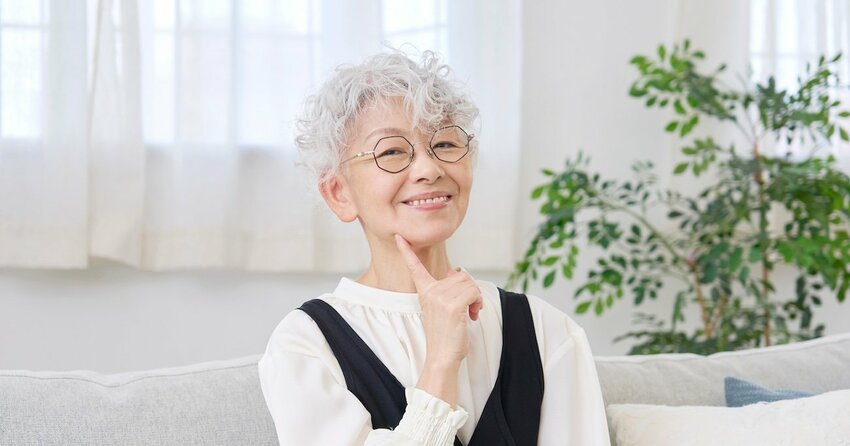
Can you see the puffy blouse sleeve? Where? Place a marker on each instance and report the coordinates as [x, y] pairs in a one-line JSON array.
[[306, 394], [573, 411]]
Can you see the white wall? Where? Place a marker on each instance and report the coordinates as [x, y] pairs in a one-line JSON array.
[[111, 318]]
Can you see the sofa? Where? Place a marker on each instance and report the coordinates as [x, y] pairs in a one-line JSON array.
[[220, 402]]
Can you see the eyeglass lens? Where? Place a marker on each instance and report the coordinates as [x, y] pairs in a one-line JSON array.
[[394, 153]]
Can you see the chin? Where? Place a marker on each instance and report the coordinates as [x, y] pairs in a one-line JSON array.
[[420, 238]]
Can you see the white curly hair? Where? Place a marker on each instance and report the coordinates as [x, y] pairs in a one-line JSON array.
[[428, 92]]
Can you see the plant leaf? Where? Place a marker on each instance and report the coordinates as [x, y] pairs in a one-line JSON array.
[[549, 279]]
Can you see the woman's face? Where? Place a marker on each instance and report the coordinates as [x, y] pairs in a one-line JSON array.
[[389, 203]]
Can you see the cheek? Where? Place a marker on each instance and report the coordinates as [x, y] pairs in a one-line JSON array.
[[464, 179], [376, 195], [464, 182]]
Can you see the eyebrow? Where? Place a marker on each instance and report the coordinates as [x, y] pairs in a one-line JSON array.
[[392, 131]]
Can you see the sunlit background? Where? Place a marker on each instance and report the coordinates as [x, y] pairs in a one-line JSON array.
[[151, 210]]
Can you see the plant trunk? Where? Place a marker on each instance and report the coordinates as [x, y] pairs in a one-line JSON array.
[[763, 239], [702, 305]]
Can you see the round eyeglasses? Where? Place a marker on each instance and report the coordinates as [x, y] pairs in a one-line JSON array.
[[394, 153]]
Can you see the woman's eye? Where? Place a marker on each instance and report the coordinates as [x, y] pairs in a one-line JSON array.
[[391, 152], [445, 145]]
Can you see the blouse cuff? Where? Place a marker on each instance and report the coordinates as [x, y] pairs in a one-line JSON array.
[[429, 419]]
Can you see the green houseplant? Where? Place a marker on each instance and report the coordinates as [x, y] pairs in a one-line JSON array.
[[717, 251]]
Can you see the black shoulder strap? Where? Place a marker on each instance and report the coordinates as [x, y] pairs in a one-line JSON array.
[[365, 375], [512, 413], [521, 369]]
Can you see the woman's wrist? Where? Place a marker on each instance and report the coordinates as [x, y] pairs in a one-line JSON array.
[[440, 380]]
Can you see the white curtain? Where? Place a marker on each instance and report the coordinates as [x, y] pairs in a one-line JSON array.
[[785, 35], [178, 153], [43, 135]]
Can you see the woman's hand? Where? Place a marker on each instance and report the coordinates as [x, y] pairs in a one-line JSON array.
[[447, 306]]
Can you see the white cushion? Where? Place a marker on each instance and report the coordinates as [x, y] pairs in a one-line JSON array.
[[818, 420]]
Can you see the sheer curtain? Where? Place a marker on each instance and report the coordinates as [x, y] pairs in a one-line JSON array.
[[179, 152], [787, 34], [43, 134]]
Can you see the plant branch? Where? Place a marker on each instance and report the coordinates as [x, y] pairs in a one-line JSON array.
[[718, 311], [763, 228], [700, 299], [646, 224]]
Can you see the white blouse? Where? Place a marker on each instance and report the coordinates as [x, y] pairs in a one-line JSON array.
[[305, 390]]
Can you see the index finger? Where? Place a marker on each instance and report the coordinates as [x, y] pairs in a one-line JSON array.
[[421, 276]]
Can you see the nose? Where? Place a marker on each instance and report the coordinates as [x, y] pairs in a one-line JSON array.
[[425, 167]]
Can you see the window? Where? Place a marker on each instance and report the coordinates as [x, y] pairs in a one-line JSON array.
[[218, 73], [23, 39], [785, 35], [421, 23]]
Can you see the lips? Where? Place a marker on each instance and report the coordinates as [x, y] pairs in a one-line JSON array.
[[428, 198]]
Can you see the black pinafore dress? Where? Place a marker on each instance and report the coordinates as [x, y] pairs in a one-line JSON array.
[[511, 416]]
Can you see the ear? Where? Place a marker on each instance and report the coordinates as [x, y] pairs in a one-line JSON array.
[[335, 191]]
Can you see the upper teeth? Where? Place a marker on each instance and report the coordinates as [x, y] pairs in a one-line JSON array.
[[428, 201]]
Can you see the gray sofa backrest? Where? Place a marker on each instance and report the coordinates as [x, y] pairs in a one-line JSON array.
[[817, 366], [220, 402], [212, 403]]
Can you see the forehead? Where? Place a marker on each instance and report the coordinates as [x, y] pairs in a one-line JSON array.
[[382, 113]]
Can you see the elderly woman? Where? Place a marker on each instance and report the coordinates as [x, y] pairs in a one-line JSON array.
[[416, 351]]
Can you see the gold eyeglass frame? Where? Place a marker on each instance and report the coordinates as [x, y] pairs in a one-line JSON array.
[[469, 137]]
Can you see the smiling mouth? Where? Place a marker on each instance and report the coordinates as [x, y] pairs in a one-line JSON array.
[[428, 201]]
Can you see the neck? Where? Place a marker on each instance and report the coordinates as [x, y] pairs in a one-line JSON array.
[[388, 270]]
